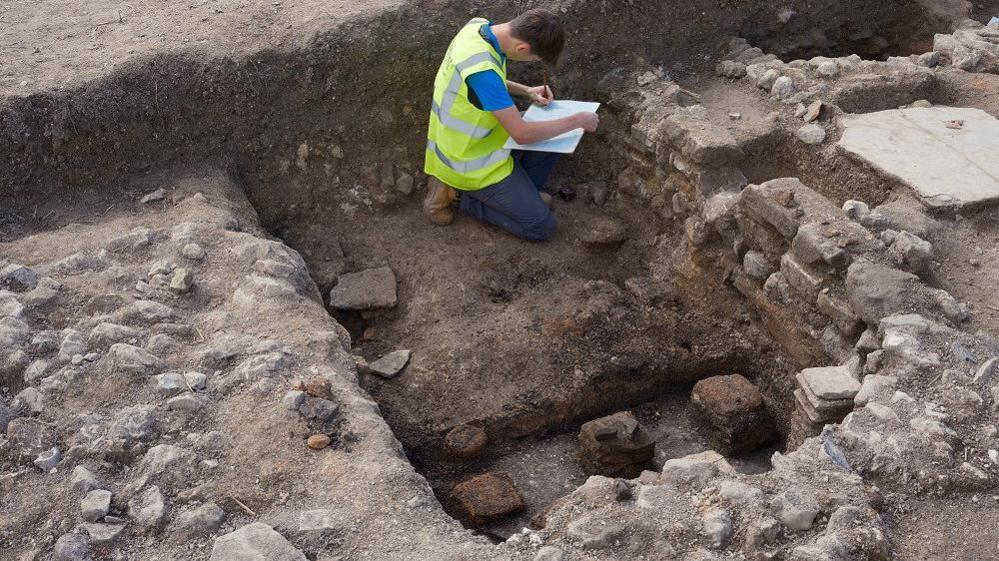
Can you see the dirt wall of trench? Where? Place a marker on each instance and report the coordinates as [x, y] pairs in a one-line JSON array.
[[347, 113]]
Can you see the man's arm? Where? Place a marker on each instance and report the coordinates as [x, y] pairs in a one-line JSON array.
[[523, 132], [542, 95], [517, 89]]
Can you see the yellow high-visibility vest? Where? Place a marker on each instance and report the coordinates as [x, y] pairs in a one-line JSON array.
[[464, 143]]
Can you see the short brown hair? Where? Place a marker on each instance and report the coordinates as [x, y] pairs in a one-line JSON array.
[[543, 31]]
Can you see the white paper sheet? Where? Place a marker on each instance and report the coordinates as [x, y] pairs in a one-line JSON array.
[[564, 143]]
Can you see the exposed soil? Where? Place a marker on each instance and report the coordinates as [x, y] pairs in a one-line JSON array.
[[525, 340]]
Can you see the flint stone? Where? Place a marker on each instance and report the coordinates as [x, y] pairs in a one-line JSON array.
[[72, 344], [717, 523], [83, 480], [487, 497], [686, 472], [196, 380], [370, 289], [71, 547], [550, 553], [200, 521], [318, 409], [146, 311], [255, 542], [293, 399], [731, 69], [184, 402], [135, 239], [813, 111], [930, 59], [796, 509], [171, 382], [148, 508], [28, 401], [594, 533], [110, 333], [738, 493], [783, 87], [812, 134], [767, 80], [48, 459], [132, 359], [18, 278], [856, 210], [756, 265], [95, 505], [912, 252], [182, 281], [103, 534], [390, 365], [193, 251], [733, 407], [162, 457], [157, 195], [828, 69]]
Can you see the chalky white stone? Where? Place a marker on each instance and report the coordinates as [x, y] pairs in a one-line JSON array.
[[945, 154]]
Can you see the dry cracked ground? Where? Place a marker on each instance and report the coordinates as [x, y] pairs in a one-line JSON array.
[[766, 328]]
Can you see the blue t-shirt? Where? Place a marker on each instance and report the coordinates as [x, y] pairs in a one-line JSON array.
[[487, 90]]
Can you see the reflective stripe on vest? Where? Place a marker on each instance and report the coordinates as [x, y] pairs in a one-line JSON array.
[[471, 165], [443, 111]]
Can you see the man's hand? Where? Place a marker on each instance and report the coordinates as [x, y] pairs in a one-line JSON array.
[[542, 95], [587, 121]]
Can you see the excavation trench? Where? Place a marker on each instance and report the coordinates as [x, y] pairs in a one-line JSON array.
[[526, 342]]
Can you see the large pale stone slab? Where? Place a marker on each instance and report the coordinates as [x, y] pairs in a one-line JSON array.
[[946, 154]]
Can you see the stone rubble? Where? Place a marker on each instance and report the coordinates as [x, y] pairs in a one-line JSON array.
[[487, 497], [616, 444], [390, 365], [370, 289], [733, 408]]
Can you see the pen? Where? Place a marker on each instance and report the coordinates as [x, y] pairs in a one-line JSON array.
[[548, 90]]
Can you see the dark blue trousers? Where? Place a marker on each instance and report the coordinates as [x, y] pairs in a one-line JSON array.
[[515, 204]]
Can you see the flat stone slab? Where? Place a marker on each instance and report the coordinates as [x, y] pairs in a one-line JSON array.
[[370, 289], [829, 382], [946, 154], [390, 365], [255, 542]]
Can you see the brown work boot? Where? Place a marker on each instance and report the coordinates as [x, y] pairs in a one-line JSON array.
[[547, 199], [437, 205]]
